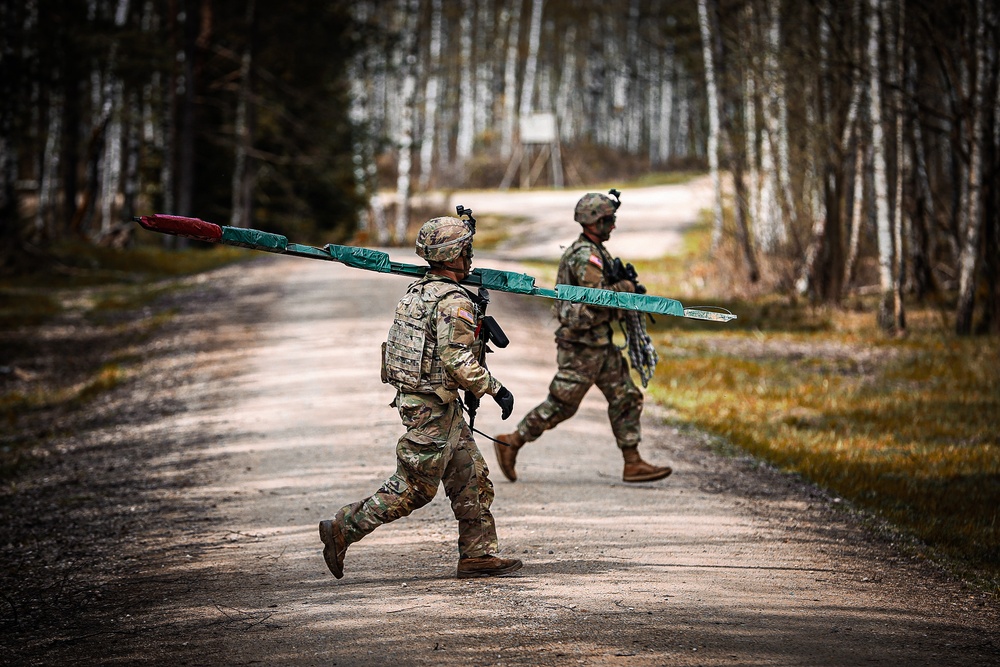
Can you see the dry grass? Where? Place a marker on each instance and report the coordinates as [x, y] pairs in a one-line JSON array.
[[906, 428], [67, 329]]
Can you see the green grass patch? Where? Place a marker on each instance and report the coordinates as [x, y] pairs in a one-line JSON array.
[[909, 432]]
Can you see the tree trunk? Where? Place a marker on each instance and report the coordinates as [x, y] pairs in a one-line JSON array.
[[186, 136], [242, 190], [485, 32], [974, 219], [750, 132], [664, 136], [713, 120], [531, 63], [510, 82], [431, 98], [130, 180], [405, 137], [567, 86], [898, 222], [857, 217], [49, 175], [779, 123], [925, 220], [10, 80], [466, 94], [633, 104], [886, 316]]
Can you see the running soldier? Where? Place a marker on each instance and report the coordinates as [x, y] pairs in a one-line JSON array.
[[586, 354], [432, 351]]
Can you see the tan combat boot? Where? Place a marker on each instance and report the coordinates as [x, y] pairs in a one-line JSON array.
[[507, 453], [487, 566], [334, 543], [637, 470]]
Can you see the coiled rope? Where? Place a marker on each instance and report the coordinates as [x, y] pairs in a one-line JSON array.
[[641, 352]]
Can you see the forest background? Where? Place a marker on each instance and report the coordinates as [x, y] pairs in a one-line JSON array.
[[854, 149]]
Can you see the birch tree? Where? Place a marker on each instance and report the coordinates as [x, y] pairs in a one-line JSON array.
[[431, 97], [531, 62], [899, 233], [410, 10], [973, 227], [510, 80], [485, 66], [886, 316], [466, 94], [713, 120]]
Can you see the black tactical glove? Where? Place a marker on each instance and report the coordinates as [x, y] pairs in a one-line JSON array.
[[505, 400]]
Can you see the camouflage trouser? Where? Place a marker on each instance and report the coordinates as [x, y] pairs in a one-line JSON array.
[[436, 448], [581, 367]]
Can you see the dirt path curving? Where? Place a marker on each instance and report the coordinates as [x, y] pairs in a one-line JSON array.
[[270, 416]]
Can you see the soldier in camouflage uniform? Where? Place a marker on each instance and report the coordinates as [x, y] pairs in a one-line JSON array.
[[432, 352], [586, 354]]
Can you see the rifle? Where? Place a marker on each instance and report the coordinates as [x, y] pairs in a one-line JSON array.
[[488, 329], [641, 351], [620, 271]]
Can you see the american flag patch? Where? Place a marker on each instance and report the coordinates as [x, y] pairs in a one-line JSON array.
[[594, 259], [466, 315]]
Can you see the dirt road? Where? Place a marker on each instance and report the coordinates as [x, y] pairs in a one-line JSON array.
[[277, 418]]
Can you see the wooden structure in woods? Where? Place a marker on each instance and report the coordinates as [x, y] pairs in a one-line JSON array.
[[536, 131]]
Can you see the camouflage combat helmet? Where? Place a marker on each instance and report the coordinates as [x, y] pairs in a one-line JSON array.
[[443, 239], [592, 207]]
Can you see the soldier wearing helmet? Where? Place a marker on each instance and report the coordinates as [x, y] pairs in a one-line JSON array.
[[585, 353], [431, 353]]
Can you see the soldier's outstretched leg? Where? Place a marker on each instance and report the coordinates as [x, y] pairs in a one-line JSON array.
[[466, 481], [418, 472], [577, 368]]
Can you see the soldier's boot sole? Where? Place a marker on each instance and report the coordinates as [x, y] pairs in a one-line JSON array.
[[487, 566]]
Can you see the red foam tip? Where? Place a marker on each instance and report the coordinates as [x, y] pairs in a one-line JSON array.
[[193, 228]]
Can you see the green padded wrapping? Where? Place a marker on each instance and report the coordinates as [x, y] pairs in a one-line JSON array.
[[306, 251], [506, 281], [645, 303], [254, 239], [361, 258]]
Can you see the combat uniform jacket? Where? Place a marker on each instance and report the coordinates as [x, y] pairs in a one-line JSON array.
[[585, 264], [432, 345]]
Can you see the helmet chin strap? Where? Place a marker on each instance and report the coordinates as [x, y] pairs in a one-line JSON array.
[[457, 269], [598, 232]]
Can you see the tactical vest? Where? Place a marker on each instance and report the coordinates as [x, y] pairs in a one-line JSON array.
[[579, 321], [410, 361]]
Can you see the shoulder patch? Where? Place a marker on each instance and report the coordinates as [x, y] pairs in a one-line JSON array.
[[466, 315], [596, 261]]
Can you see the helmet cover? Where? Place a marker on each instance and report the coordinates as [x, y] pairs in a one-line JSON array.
[[592, 207], [443, 239]]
